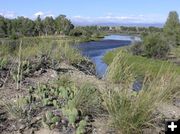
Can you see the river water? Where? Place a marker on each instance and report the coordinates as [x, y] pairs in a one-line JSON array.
[[95, 50]]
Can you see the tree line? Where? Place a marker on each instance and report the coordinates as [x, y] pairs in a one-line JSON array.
[[22, 26]]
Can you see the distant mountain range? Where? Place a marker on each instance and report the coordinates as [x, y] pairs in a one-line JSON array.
[[119, 24]]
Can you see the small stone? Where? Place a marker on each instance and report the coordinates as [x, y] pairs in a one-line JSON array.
[[22, 127], [64, 121], [177, 102]]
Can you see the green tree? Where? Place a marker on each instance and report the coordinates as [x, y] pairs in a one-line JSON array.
[[49, 26], [172, 28], [24, 26], [38, 26], [63, 25], [3, 27], [9, 27]]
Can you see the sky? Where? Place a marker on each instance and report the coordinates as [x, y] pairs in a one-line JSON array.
[[93, 11]]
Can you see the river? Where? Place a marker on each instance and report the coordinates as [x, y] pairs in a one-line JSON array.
[[95, 50]]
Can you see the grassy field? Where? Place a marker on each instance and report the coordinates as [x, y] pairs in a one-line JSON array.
[[142, 65], [57, 47]]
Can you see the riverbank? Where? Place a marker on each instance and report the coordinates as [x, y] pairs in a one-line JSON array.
[[46, 86], [141, 65]]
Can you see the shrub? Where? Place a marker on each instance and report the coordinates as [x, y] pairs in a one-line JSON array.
[[76, 32], [155, 45], [137, 48]]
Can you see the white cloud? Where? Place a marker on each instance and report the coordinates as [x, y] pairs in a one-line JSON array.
[[82, 19], [109, 17], [8, 14], [43, 14], [38, 13], [121, 19]]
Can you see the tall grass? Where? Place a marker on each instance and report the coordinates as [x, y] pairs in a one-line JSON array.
[[119, 70], [176, 52], [19, 70], [87, 100], [138, 65], [18, 108], [3, 62], [130, 111], [55, 50]]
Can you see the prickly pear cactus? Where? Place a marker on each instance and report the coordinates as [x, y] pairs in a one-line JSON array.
[[55, 119], [71, 115], [50, 120], [56, 104], [49, 115], [81, 127]]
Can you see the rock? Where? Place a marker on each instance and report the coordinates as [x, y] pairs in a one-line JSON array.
[[149, 131], [29, 131], [177, 102], [169, 111], [54, 74], [64, 121], [22, 127], [39, 72]]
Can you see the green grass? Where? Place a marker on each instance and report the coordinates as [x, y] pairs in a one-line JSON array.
[[87, 100], [131, 112], [3, 62], [18, 108], [176, 52], [23, 57], [55, 49], [139, 66]]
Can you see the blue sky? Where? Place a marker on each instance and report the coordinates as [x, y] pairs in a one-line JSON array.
[[90, 11]]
